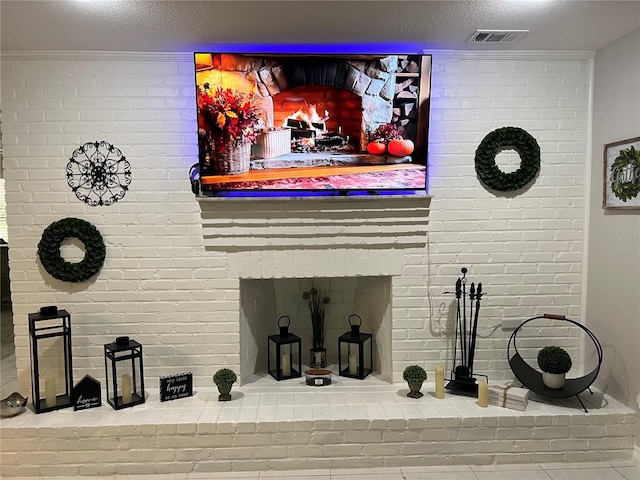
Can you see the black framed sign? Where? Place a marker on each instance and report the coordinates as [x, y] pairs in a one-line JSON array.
[[177, 386]]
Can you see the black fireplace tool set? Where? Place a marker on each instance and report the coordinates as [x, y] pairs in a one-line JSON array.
[[462, 379]]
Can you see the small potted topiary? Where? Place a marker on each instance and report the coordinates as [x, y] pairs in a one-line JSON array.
[[414, 375], [554, 362], [224, 379]]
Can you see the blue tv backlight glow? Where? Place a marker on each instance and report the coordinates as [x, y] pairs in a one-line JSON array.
[[316, 49]]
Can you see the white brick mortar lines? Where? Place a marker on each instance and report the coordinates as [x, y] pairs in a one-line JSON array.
[[526, 249], [304, 430], [161, 286]]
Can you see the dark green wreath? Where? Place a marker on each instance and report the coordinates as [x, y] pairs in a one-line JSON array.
[[626, 190], [58, 267], [507, 138]]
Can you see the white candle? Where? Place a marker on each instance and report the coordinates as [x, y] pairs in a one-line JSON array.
[[353, 364], [286, 365], [483, 394], [50, 390], [127, 388], [439, 381]]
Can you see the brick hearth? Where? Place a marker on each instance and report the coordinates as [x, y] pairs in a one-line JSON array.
[[287, 425]]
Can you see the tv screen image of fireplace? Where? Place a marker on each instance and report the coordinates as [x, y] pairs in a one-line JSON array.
[[317, 115]]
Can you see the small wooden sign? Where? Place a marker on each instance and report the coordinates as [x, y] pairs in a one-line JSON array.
[[86, 394], [177, 386]]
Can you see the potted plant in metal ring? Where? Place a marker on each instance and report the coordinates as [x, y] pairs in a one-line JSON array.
[[414, 375], [554, 362], [224, 379]]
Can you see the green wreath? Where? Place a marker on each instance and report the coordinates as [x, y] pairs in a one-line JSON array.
[[625, 183], [507, 138], [58, 267]]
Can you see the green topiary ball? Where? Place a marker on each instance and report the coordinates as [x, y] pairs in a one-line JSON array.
[[414, 374], [554, 360]]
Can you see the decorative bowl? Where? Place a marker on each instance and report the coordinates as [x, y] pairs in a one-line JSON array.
[[13, 405]]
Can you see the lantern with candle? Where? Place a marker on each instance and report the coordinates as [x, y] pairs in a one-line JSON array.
[[284, 352], [355, 351], [124, 373], [51, 368]]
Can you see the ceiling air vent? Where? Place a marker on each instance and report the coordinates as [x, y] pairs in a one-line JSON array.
[[496, 36]]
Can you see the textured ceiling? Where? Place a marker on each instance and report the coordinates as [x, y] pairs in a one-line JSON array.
[[184, 26]]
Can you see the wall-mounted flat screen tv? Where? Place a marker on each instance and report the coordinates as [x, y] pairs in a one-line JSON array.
[[312, 124]]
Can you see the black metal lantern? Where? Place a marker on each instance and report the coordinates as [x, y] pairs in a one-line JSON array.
[[125, 378], [51, 369], [284, 352], [356, 350]]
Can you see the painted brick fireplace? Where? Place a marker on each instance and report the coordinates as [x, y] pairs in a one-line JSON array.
[[177, 269], [175, 264], [363, 272]]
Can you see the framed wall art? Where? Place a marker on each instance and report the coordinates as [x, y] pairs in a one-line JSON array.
[[622, 174]]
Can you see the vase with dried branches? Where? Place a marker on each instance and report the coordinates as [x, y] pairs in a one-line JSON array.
[[317, 301]]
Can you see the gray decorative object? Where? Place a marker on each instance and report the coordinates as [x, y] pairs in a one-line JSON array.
[[13, 405]]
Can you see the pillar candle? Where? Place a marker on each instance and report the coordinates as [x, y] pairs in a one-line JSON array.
[[439, 381], [483, 394], [127, 388], [286, 365], [50, 390], [353, 364]]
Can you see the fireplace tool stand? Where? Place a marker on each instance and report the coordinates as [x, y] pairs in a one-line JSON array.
[[462, 379]]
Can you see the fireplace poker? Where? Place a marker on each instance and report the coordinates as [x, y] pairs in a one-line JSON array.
[[464, 317], [458, 321], [474, 332], [472, 296]]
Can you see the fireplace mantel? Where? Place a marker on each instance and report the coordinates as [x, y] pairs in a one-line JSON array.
[[315, 222]]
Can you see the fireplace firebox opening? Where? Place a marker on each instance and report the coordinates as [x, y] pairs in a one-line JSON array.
[[263, 301]]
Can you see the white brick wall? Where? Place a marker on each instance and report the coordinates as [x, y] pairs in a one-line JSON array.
[[176, 290], [526, 249]]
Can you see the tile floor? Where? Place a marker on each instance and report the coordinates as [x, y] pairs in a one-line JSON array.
[[620, 470]]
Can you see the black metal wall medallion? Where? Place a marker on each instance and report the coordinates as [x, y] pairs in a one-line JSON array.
[[507, 138], [98, 173], [58, 267]]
